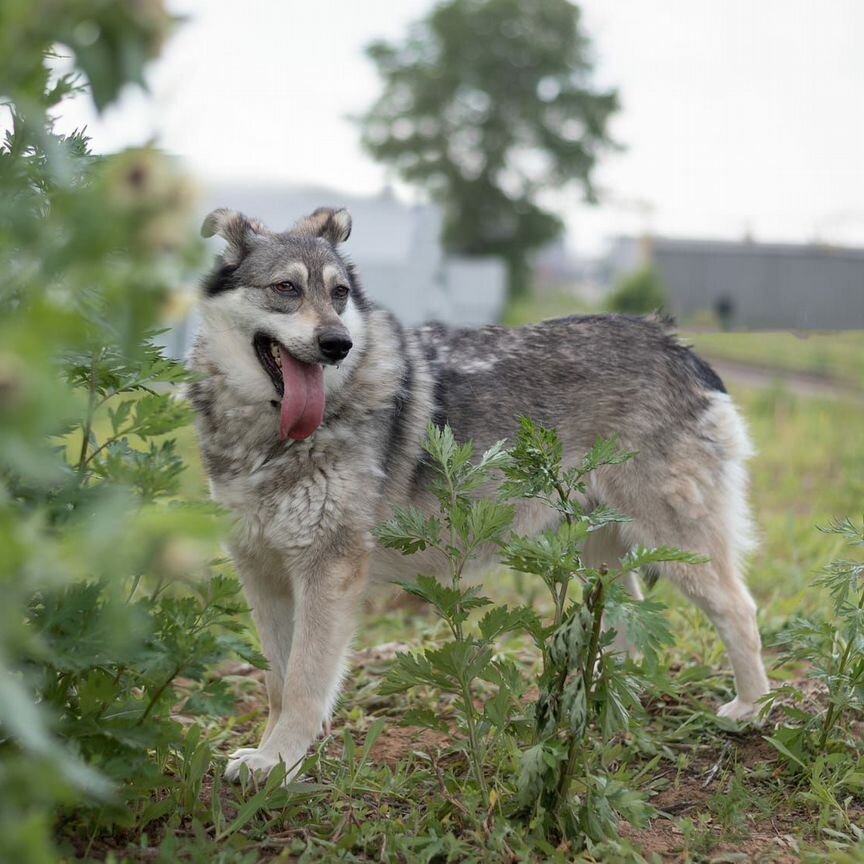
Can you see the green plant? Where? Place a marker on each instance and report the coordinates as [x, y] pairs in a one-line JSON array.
[[112, 616], [465, 526], [584, 688], [638, 293], [823, 744]]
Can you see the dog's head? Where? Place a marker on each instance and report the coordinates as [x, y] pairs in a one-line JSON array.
[[279, 308]]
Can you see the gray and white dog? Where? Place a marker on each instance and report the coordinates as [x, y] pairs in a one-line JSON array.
[[311, 406]]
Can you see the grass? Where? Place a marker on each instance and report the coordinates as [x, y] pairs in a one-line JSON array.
[[836, 356]]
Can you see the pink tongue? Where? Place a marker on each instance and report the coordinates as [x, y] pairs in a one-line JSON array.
[[303, 401]]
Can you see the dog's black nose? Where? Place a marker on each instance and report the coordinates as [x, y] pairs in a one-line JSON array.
[[334, 345]]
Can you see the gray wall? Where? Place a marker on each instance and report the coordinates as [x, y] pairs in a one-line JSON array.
[[769, 285]]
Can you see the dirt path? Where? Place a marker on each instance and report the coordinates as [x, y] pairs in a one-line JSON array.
[[799, 383]]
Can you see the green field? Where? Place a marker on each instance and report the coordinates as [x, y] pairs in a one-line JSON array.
[[835, 356]]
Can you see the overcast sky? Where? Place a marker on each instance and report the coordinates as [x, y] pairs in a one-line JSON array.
[[739, 116]]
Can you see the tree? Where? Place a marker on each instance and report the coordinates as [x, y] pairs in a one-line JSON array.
[[486, 104]]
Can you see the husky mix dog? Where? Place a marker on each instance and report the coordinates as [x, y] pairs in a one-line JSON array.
[[311, 406]]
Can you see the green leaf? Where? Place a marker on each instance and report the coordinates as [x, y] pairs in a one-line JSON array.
[[618, 697], [451, 603], [644, 622], [461, 660], [535, 462], [413, 670], [20, 717], [445, 452], [372, 736], [779, 744], [642, 557], [158, 414], [119, 415], [425, 719], [605, 451], [537, 771], [575, 704], [848, 529], [487, 521], [409, 531], [502, 619], [554, 555], [570, 641]]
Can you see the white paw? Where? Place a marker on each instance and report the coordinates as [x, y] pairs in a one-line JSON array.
[[242, 751], [261, 762], [738, 709]]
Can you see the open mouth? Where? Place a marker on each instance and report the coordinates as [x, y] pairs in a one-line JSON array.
[[300, 386], [270, 358]]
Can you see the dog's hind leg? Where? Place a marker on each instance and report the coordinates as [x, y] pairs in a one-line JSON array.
[[718, 589], [606, 548], [326, 601], [695, 499], [721, 594]]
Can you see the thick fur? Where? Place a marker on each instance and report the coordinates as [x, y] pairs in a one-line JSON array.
[[305, 510]]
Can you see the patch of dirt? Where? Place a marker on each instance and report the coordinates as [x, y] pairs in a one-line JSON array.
[[760, 838], [396, 743], [378, 653]]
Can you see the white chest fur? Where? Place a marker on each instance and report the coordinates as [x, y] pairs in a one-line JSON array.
[[301, 498]]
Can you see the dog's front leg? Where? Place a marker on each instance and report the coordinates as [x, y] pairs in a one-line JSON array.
[[326, 601]]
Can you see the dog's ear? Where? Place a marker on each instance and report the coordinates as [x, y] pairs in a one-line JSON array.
[[334, 225], [234, 227]]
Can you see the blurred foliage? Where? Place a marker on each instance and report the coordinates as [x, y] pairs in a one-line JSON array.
[[487, 104], [110, 616], [822, 744], [638, 293]]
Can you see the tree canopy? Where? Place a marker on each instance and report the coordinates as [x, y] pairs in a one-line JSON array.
[[486, 104]]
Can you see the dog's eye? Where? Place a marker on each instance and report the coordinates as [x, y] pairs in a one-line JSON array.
[[340, 292], [289, 289]]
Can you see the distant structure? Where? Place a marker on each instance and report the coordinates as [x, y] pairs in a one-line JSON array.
[[753, 285], [395, 246], [558, 271]]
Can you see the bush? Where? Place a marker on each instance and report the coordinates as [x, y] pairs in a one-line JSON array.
[[639, 293], [109, 601], [822, 746]]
